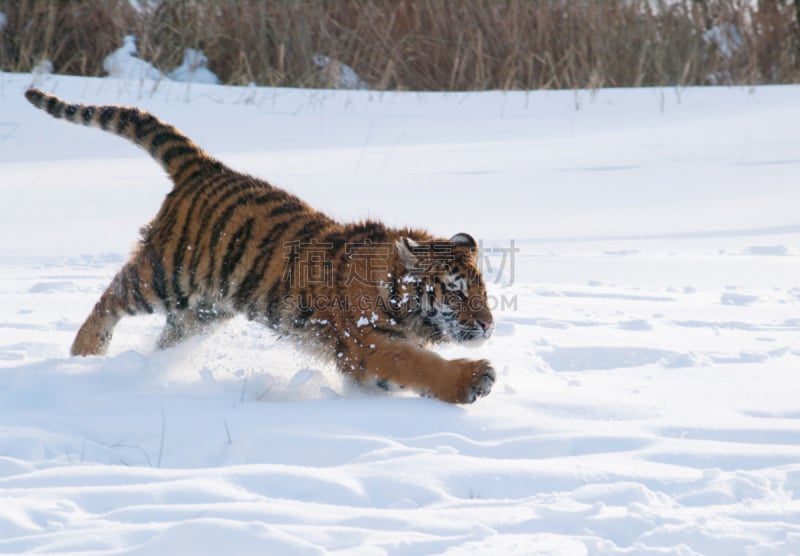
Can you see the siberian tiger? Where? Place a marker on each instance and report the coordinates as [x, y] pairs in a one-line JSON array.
[[366, 297]]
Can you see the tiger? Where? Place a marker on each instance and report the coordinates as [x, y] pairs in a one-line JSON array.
[[370, 299]]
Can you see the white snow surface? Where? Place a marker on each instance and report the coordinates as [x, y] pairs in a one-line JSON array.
[[338, 75], [124, 63], [194, 69], [648, 353]]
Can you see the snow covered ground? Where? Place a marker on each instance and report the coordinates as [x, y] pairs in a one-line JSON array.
[[647, 344]]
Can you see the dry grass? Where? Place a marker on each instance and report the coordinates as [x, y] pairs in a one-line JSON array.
[[421, 44]]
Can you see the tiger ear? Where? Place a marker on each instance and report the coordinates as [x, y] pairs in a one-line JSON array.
[[465, 241], [405, 248]]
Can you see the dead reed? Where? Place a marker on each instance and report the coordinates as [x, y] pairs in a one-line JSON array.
[[424, 44]]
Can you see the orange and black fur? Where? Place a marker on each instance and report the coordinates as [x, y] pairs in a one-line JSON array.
[[367, 297]]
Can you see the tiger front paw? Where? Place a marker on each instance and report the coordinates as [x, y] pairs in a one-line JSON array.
[[475, 380]]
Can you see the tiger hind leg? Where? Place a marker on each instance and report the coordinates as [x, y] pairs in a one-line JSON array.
[[124, 296], [183, 324]]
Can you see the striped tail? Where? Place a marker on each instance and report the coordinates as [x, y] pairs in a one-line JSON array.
[[171, 148]]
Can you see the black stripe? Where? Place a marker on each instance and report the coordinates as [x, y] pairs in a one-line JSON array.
[[291, 206], [204, 168], [87, 114], [52, 106], [163, 137], [70, 112], [181, 299], [144, 126], [247, 185], [216, 235], [197, 194], [185, 166], [173, 204], [177, 152], [312, 227], [273, 195], [383, 330], [35, 96], [225, 184], [166, 218], [190, 182], [245, 199], [138, 298], [273, 302], [160, 283], [184, 189], [219, 226], [220, 183], [202, 229], [122, 291], [304, 309], [254, 276], [336, 239], [209, 167], [177, 271], [281, 288], [179, 200], [126, 116], [180, 251], [236, 249], [106, 114]]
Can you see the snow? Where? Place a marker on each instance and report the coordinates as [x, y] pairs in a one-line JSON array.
[[728, 42], [194, 69], [337, 75], [124, 63], [40, 76], [145, 5], [726, 37], [647, 345]]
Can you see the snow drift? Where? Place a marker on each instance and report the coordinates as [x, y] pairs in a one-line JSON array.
[[646, 346]]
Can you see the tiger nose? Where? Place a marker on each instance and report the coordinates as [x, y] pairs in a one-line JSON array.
[[486, 325]]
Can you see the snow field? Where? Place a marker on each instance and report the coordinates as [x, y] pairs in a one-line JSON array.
[[647, 342]]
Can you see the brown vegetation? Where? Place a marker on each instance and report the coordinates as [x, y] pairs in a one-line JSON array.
[[422, 44]]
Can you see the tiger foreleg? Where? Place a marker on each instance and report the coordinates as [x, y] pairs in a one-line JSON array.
[[408, 366]]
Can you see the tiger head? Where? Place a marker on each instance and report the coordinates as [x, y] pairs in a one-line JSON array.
[[451, 300]]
